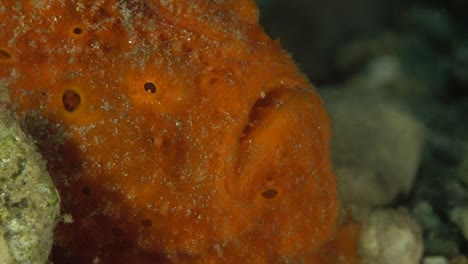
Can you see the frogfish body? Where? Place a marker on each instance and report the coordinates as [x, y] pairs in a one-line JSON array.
[[175, 131]]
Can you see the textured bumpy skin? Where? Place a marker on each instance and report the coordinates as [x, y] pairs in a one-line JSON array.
[[175, 131]]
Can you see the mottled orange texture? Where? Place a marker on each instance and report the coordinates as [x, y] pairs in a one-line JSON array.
[[175, 131]]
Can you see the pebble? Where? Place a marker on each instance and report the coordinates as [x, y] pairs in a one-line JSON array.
[[376, 147], [435, 260], [390, 236]]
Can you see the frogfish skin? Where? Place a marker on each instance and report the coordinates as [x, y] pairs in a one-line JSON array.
[[175, 131]]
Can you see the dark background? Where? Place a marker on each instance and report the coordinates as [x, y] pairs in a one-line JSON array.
[[314, 31]]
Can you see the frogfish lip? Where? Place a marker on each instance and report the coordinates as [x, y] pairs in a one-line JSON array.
[[283, 169], [282, 144]]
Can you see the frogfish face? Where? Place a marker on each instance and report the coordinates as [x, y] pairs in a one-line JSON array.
[[175, 131]]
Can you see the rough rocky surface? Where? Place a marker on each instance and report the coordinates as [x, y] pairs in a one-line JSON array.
[[29, 204]]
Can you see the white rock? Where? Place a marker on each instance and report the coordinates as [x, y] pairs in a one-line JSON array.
[[389, 237], [435, 260], [376, 147], [29, 203]]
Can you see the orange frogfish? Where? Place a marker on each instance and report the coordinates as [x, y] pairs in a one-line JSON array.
[[175, 131]]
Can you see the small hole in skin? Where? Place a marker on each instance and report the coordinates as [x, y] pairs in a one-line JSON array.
[[86, 191], [150, 87], [146, 222], [71, 100], [270, 194], [4, 55], [117, 232], [77, 31], [213, 81]]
